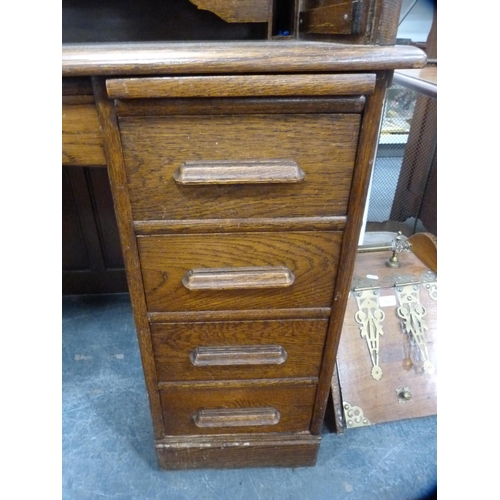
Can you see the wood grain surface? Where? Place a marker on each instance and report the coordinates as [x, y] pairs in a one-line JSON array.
[[239, 106], [241, 86], [334, 18], [116, 170], [272, 354], [233, 57], [82, 140], [237, 11], [324, 146], [174, 344], [364, 23], [241, 450], [293, 402], [238, 172], [240, 225], [424, 246], [386, 19], [240, 315], [237, 417], [241, 377], [238, 278], [312, 257]]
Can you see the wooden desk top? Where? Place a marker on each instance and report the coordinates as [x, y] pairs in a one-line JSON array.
[[234, 57], [423, 80]]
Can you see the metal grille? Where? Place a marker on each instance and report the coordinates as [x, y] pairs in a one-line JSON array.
[[403, 188]]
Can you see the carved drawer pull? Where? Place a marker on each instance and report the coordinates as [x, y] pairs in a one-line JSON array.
[[237, 417], [238, 355], [239, 172], [229, 278]]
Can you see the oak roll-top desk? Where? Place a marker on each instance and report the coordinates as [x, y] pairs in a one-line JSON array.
[[239, 139]]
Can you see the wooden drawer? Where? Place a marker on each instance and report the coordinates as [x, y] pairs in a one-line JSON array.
[[205, 409], [260, 175], [238, 350], [214, 271], [82, 142]]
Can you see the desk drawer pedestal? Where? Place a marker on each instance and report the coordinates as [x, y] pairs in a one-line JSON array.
[[239, 201]]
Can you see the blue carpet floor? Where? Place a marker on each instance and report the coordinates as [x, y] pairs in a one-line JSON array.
[[107, 439]]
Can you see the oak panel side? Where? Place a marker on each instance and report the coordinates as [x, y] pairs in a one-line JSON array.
[[116, 170], [362, 171]]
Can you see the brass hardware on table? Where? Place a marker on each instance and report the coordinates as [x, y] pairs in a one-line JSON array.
[[404, 394], [370, 317], [354, 416], [412, 313], [429, 280], [410, 310], [398, 245]]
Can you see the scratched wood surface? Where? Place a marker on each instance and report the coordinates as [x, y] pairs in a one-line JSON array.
[[240, 450]]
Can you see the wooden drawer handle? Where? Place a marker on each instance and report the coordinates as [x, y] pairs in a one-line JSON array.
[[230, 278], [237, 417], [238, 355], [239, 172]]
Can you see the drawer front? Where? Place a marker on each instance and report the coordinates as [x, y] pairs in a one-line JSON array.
[[278, 165], [82, 142], [223, 410], [238, 350], [216, 86], [239, 271]]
